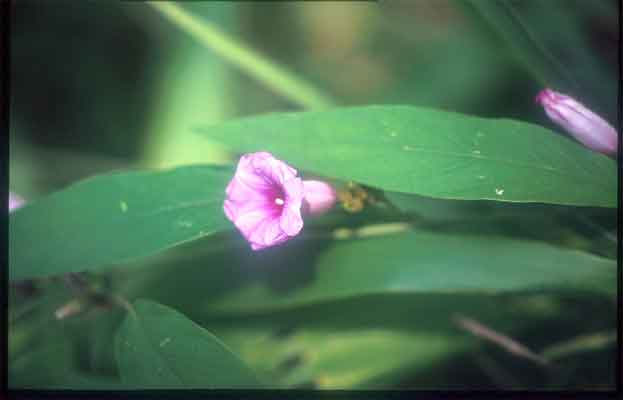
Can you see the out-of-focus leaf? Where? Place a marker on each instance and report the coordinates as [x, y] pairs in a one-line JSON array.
[[52, 365], [421, 262], [499, 14], [112, 218], [347, 359], [455, 71], [330, 345], [43, 369], [431, 153], [100, 334], [30, 316], [157, 347]]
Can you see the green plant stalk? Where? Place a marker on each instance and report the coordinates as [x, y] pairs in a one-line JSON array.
[[579, 344], [251, 62]]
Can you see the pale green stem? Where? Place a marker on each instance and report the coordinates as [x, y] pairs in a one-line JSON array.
[[579, 344], [248, 60]]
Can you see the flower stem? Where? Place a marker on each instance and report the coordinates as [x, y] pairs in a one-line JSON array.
[[259, 67]]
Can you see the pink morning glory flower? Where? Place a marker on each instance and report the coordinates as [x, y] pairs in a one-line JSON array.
[[264, 200], [15, 201], [587, 127]]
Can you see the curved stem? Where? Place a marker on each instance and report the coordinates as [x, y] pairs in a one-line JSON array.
[[248, 60]]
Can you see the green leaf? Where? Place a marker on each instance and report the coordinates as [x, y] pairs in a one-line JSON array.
[[341, 359], [431, 153], [51, 362], [157, 347], [113, 218], [422, 262], [445, 210], [330, 345], [52, 367]]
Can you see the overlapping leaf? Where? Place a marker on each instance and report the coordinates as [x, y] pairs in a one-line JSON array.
[[422, 262]]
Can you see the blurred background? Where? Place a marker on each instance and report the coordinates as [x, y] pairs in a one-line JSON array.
[[100, 85]]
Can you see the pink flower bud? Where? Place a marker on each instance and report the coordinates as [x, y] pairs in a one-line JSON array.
[[319, 197], [264, 200], [15, 201], [583, 124]]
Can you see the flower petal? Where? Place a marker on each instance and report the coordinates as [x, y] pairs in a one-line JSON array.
[[248, 222], [267, 233], [240, 192], [294, 190], [248, 173], [291, 221], [275, 170]]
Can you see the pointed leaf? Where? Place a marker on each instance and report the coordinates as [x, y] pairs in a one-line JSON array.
[[431, 153], [157, 347], [422, 262], [113, 218]]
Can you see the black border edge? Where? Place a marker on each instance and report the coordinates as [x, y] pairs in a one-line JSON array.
[[619, 361], [5, 99]]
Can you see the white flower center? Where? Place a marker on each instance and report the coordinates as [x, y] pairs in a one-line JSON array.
[[279, 201]]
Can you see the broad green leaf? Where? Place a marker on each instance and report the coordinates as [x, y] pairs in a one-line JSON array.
[[422, 262], [157, 347], [431, 153], [113, 218]]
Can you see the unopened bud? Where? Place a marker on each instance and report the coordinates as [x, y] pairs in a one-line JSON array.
[[319, 197], [587, 127]]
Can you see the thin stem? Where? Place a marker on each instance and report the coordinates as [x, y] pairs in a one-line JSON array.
[[579, 344], [248, 60], [507, 343], [598, 228]]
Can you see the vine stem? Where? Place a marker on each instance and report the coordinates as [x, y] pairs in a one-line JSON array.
[[259, 67]]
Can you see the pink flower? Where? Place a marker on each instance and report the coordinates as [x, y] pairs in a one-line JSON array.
[[587, 127], [264, 200], [15, 201], [319, 197]]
